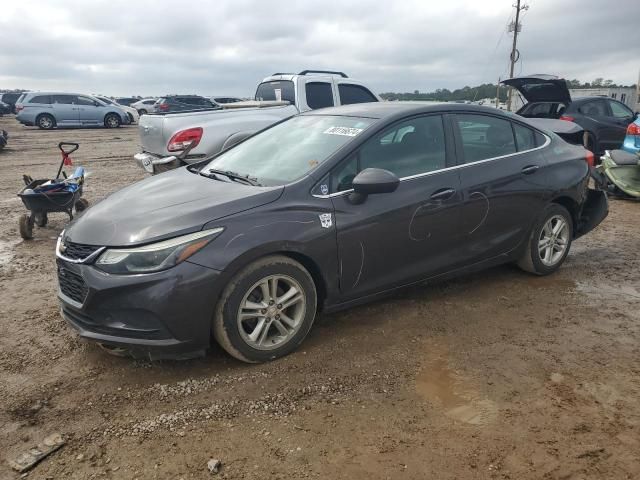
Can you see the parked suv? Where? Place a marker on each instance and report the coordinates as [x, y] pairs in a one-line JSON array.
[[10, 99], [604, 120], [183, 103], [51, 109]]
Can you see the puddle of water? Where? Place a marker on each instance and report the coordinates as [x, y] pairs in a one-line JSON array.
[[440, 385]]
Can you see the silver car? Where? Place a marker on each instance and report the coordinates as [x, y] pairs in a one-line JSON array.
[[146, 105], [48, 110]]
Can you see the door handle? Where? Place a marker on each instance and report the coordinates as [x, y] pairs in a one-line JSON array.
[[530, 169], [443, 194]]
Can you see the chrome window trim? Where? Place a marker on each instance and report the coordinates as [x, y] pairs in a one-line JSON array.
[[446, 169]]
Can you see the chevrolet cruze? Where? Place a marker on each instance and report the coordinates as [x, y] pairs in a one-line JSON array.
[[325, 210]]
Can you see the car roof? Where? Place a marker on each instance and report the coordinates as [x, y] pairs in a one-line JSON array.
[[383, 110]]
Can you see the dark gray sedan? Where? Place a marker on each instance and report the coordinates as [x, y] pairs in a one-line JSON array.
[[320, 212]]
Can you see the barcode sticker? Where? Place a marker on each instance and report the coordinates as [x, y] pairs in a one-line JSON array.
[[344, 131]]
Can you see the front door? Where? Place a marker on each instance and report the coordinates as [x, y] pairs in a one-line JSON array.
[[91, 112], [394, 238], [502, 174]]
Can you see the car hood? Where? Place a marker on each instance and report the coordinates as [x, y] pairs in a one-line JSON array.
[[164, 206], [540, 88]]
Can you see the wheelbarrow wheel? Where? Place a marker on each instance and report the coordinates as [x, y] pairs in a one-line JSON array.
[[42, 219], [81, 205], [26, 226]]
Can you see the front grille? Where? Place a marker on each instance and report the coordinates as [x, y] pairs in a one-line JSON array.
[[72, 284], [78, 251]]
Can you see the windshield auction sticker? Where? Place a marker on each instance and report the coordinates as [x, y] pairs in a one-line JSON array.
[[344, 131]]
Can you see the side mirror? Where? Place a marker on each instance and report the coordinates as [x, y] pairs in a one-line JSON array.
[[371, 181]]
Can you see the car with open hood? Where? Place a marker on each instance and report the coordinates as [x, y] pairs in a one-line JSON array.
[[319, 212], [604, 120]]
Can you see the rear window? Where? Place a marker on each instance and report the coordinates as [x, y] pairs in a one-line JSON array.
[[597, 108], [46, 99], [277, 90], [319, 95], [64, 99], [350, 94], [525, 137]]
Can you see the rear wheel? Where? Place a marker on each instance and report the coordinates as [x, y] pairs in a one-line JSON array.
[[549, 242], [41, 219], [266, 311], [142, 111], [81, 204], [26, 226], [112, 120], [45, 121]]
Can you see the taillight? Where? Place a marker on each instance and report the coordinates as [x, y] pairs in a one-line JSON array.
[[19, 107], [633, 129], [567, 118], [163, 106], [590, 158], [184, 138]]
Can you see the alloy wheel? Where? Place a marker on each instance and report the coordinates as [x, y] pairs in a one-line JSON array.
[[271, 312], [553, 240], [45, 122]]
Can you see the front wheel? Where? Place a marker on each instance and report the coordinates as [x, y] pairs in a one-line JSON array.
[[549, 243], [112, 121], [266, 311]]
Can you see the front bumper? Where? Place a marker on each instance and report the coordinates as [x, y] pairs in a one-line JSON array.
[[158, 315], [149, 161]]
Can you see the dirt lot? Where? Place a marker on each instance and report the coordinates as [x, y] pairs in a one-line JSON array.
[[498, 375]]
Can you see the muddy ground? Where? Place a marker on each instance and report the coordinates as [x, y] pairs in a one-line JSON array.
[[497, 375]]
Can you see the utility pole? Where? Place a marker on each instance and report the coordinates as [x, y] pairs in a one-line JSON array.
[[498, 94], [515, 55]]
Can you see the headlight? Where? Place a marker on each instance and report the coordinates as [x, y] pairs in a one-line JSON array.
[[156, 256]]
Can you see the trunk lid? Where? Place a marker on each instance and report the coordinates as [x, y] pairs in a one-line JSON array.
[[540, 88]]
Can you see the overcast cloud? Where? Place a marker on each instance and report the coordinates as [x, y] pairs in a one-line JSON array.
[[151, 47]]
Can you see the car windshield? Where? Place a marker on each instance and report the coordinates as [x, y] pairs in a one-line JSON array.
[[281, 90], [289, 150]]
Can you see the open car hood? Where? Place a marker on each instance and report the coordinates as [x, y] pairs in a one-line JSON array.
[[540, 88]]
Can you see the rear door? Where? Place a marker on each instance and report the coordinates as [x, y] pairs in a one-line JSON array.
[[395, 238], [502, 176], [66, 110], [599, 122]]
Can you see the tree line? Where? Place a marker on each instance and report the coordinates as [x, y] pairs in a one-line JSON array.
[[486, 90]]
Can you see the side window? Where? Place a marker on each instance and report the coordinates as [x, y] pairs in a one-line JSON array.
[[85, 101], [46, 99], [597, 108], [407, 148], [64, 99], [619, 110], [350, 93], [485, 137], [525, 137], [149, 102], [319, 95]]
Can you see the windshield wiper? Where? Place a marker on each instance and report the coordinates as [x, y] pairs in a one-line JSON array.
[[234, 176]]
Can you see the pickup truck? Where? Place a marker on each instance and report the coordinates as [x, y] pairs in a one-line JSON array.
[[171, 140]]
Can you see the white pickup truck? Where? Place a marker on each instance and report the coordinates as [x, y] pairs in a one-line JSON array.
[[171, 140]]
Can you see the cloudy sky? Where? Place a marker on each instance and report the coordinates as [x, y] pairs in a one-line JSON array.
[[151, 47]]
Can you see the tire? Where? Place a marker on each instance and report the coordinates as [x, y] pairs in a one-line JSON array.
[[45, 121], [592, 146], [234, 334], [41, 219], [142, 111], [26, 227], [81, 205], [111, 120], [536, 258]]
